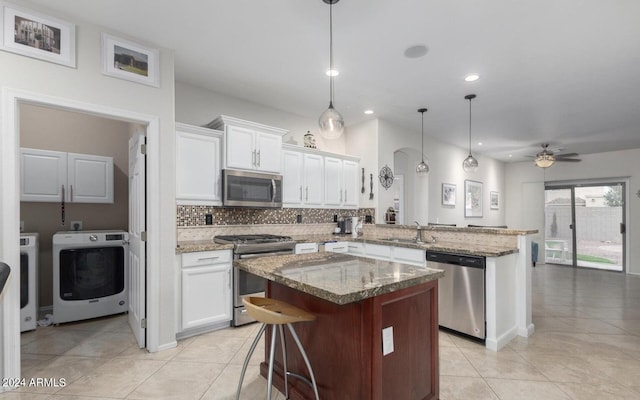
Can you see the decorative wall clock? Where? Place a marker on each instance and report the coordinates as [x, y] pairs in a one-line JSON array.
[[386, 177]]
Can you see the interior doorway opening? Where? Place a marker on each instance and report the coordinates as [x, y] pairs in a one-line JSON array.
[[585, 225]]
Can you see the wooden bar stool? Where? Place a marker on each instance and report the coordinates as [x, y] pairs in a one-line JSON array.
[[277, 313]]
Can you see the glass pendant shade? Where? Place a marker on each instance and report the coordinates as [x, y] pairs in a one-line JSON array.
[[470, 164], [331, 123], [422, 169]]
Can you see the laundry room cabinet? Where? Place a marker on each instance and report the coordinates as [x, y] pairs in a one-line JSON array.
[[54, 176], [198, 166], [205, 288], [249, 145]]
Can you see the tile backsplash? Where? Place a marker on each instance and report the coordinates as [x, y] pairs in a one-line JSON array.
[[187, 216]]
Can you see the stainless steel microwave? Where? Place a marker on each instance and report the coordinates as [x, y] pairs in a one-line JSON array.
[[250, 189]]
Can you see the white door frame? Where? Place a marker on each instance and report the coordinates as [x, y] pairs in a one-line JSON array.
[[10, 212]]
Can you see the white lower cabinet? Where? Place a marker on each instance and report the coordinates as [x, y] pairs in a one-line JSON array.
[[337, 247], [402, 255], [355, 248], [304, 248], [205, 288]]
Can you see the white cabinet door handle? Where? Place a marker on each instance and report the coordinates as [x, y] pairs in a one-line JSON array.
[[300, 192], [208, 258]]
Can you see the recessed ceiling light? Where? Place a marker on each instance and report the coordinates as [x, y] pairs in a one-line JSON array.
[[510, 155], [416, 51], [368, 112], [332, 72], [479, 143], [472, 77]]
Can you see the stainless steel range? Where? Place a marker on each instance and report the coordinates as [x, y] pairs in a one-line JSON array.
[[244, 283]]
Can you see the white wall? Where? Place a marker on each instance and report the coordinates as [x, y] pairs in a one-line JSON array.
[[520, 178], [445, 165], [87, 84], [196, 106], [362, 141]]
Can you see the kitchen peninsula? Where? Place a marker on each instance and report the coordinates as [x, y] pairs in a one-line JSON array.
[[376, 330]]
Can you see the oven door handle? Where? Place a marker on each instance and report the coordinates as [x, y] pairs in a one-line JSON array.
[[275, 253]]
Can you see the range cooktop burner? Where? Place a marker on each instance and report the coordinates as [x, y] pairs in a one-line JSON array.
[[252, 239]]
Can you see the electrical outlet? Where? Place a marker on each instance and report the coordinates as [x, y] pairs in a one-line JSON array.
[[21, 226], [208, 219], [76, 225]]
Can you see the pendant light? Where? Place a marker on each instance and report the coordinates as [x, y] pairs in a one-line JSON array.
[[423, 168], [331, 122], [470, 164]]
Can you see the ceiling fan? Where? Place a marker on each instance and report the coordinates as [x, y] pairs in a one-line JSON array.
[[547, 158]]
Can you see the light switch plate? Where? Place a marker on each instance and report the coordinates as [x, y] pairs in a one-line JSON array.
[[387, 341]]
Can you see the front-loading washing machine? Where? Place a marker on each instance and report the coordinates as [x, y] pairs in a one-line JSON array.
[[28, 281]]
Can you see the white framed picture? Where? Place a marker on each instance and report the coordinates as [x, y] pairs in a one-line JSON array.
[[37, 35], [448, 194], [130, 61], [473, 199], [494, 200]]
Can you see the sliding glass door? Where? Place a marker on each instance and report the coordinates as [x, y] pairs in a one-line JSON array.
[[585, 225], [558, 215]]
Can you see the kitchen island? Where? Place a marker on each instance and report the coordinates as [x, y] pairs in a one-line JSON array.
[[376, 330]]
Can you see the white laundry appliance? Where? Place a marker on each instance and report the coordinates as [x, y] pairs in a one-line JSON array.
[[90, 274], [28, 281]]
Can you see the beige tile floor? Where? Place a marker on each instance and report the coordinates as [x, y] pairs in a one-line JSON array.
[[586, 346]]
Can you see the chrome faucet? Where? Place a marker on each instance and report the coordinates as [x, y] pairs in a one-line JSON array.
[[418, 238]]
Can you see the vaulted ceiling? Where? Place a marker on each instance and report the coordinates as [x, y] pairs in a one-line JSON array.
[[558, 72]]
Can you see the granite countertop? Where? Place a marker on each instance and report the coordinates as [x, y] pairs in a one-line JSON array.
[[338, 278], [202, 245], [446, 247]]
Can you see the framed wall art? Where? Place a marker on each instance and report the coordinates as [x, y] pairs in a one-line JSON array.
[[448, 194], [37, 35], [131, 61], [472, 199], [494, 200]]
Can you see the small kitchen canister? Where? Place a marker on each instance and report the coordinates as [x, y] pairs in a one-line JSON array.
[[309, 140]]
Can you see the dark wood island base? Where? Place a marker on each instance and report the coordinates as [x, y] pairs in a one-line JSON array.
[[345, 347]]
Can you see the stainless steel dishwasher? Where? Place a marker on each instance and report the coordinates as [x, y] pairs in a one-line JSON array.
[[461, 295]]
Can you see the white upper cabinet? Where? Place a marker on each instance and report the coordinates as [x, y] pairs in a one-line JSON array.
[[198, 166], [350, 183], [341, 183], [54, 176], [292, 178], [302, 179], [249, 145], [333, 182], [313, 178]]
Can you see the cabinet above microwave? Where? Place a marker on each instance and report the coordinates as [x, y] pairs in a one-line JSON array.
[[249, 145]]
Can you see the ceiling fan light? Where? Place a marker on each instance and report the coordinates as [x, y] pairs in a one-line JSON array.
[[544, 160], [470, 164], [331, 123]]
